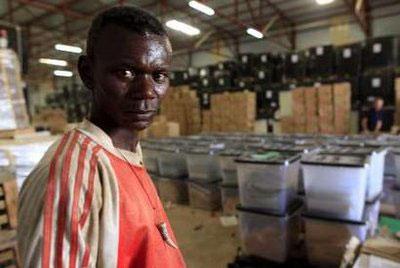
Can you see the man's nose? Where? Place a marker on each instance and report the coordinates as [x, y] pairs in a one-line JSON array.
[[143, 87]]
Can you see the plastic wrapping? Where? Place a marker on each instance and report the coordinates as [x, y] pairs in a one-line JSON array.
[[173, 190], [326, 239], [205, 196], [230, 199], [335, 185], [26, 157], [269, 236], [269, 184], [13, 110]]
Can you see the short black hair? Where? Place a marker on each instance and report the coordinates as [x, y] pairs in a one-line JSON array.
[[132, 18]]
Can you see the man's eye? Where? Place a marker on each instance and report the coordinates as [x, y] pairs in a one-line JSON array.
[[160, 77], [125, 74]]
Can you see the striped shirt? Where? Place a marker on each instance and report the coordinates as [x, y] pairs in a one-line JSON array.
[[89, 204]]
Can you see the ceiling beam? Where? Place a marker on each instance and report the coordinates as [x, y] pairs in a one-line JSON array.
[[63, 5], [11, 12], [361, 16], [251, 11], [53, 8]]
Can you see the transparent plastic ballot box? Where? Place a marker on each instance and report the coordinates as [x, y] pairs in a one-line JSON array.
[[396, 157], [204, 195], [203, 164], [271, 236], [326, 238], [371, 215], [173, 190], [228, 166], [151, 151], [229, 198], [268, 180], [376, 170], [172, 162], [296, 148], [390, 200], [335, 185]]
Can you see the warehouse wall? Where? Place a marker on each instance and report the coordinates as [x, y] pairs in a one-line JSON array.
[[352, 33]]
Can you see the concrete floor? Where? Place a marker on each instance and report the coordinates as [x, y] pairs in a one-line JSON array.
[[202, 239]]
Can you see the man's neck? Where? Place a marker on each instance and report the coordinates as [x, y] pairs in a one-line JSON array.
[[121, 138]]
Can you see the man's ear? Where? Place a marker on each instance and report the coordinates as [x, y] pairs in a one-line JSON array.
[[85, 70]]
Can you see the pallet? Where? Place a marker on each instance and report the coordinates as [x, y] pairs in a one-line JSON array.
[[8, 249], [8, 204], [15, 133]]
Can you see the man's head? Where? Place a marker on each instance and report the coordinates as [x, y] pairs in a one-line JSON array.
[[126, 66], [378, 104]]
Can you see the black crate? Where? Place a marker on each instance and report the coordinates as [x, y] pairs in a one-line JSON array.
[[378, 84], [247, 59], [263, 76], [207, 71], [178, 78], [245, 83], [246, 64], [381, 52], [227, 65], [278, 73], [224, 82], [320, 61], [267, 100], [205, 99], [207, 83], [348, 60], [295, 67], [265, 60]]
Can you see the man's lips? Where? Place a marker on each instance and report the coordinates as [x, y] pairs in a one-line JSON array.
[[139, 111]]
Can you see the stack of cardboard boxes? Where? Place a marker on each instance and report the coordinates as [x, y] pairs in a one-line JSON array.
[[181, 105], [325, 109], [299, 110], [161, 128], [319, 109], [231, 111], [311, 107], [397, 100], [342, 107]]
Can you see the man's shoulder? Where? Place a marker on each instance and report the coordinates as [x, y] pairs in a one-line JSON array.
[[68, 147]]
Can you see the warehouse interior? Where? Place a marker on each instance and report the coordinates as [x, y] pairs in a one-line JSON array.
[[276, 145]]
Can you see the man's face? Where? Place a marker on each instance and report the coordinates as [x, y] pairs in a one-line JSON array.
[[130, 76], [379, 104]]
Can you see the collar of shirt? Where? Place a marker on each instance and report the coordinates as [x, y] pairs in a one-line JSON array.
[[100, 137]]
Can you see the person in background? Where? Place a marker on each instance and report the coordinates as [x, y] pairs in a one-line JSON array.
[[372, 121], [90, 201]]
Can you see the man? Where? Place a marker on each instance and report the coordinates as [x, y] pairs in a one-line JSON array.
[[90, 201], [373, 120]]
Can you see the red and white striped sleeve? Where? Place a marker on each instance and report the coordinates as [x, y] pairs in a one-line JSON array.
[[68, 223]]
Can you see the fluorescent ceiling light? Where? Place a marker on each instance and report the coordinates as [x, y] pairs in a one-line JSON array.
[[202, 8], [324, 2], [63, 73], [53, 62], [66, 48], [255, 33], [182, 27]]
